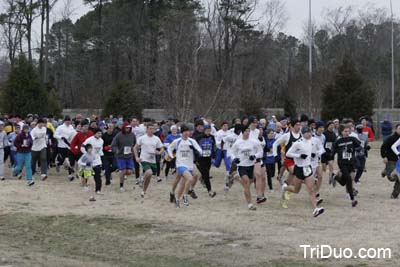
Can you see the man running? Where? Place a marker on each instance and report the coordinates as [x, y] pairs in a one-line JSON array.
[[245, 151], [122, 145], [389, 159], [302, 153], [328, 157], [221, 148], [150, 146], [39, 151], [185, 148]]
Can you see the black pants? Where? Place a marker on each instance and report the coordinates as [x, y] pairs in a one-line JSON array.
[[169, 165], [7, 153], [204, 165], [63, 153], [360, 167], [110, 166], [137, 168], [270, 173], [97, 177], [41, 158], [346, 170], [158, 163]]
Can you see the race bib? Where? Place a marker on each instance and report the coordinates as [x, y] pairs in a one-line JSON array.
[[328, 145], [246, 153], [206, 153], [307, 171], [127, 150], [270, 154], [362, 143], [347, 155], [185, 154]]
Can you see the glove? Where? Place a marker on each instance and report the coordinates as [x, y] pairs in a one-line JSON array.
[[303, 156], [268, 150], [368, 147], [237, 161], [107, 148], [64, 139], [191, 147], [252, 157], [88, 164], [313, 155]]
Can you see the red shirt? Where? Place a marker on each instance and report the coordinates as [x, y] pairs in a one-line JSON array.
[[368, 131], [78, 140]]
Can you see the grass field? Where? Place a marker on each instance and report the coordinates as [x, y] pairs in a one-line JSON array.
[[54, 224]]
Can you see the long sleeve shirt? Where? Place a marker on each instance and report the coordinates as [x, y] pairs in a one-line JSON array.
[[64, 131], [184, 152], [243, 149], [219, 139], [301, 147], [97, 145], [39, 138]]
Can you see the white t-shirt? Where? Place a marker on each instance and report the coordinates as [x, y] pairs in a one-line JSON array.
[[97, 145], [148, 146], [219, 137], [39, 138], [184, 154], [254, 134], [65, 131]]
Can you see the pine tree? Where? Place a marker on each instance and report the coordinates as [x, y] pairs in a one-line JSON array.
[[348, 96], [124, 100], [23, 92]]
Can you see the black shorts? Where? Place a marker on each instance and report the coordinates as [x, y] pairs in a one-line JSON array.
[[326, 157], [299, 172], [248, 171]]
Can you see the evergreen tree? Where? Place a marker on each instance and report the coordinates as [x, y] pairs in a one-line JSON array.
[[124, 100], [348, 96], [23, 92]]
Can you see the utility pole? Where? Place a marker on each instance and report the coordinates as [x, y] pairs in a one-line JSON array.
[[310, 39], [391, 10]]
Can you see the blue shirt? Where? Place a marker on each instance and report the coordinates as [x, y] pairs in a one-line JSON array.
[[268, 156]]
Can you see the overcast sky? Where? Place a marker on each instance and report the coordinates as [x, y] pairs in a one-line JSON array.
[[297, 11]]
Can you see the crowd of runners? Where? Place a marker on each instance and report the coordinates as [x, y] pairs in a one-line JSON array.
[[295, 151]]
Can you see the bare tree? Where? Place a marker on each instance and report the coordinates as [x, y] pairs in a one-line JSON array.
[[274, 17], [338, 19]]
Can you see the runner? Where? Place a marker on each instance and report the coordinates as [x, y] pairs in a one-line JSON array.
[[23, 143], [345, 147], [86, 170], [389, 159], [64, 135], [170, 162], [39, 149], [221, 152], [185, 148], [207, 143], [82, 133], [361, 154], [3, 144], [13, 148], [122, 146], [245, 151], [150, 146], [109, 160], [269, 159], [316, 161], [97, 144], [302, 153], [328, 157], [229, 141]]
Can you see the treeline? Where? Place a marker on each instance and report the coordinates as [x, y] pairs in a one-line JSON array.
[[199, 57]]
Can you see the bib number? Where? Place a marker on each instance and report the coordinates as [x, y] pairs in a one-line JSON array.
[[307, 171], [328, 145], [347, 155], [206, 153], [127, 150], [185, 154]]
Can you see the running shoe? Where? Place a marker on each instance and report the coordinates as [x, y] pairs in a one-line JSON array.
[[393, 197], [185, 200], [142, 194], [172, 197], [318, 211], [2, 178], [226, 188], [212, 194], [355, 192], [319, 201], [99, 193], [92, 199], [159, 179], [271, 190], [251, 207], [284, 204], [261, 200], [30, 183], [43, 177], [192, 194], [354, 203], [71, 177], [383, 174], [121, 189], [85, 189]]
